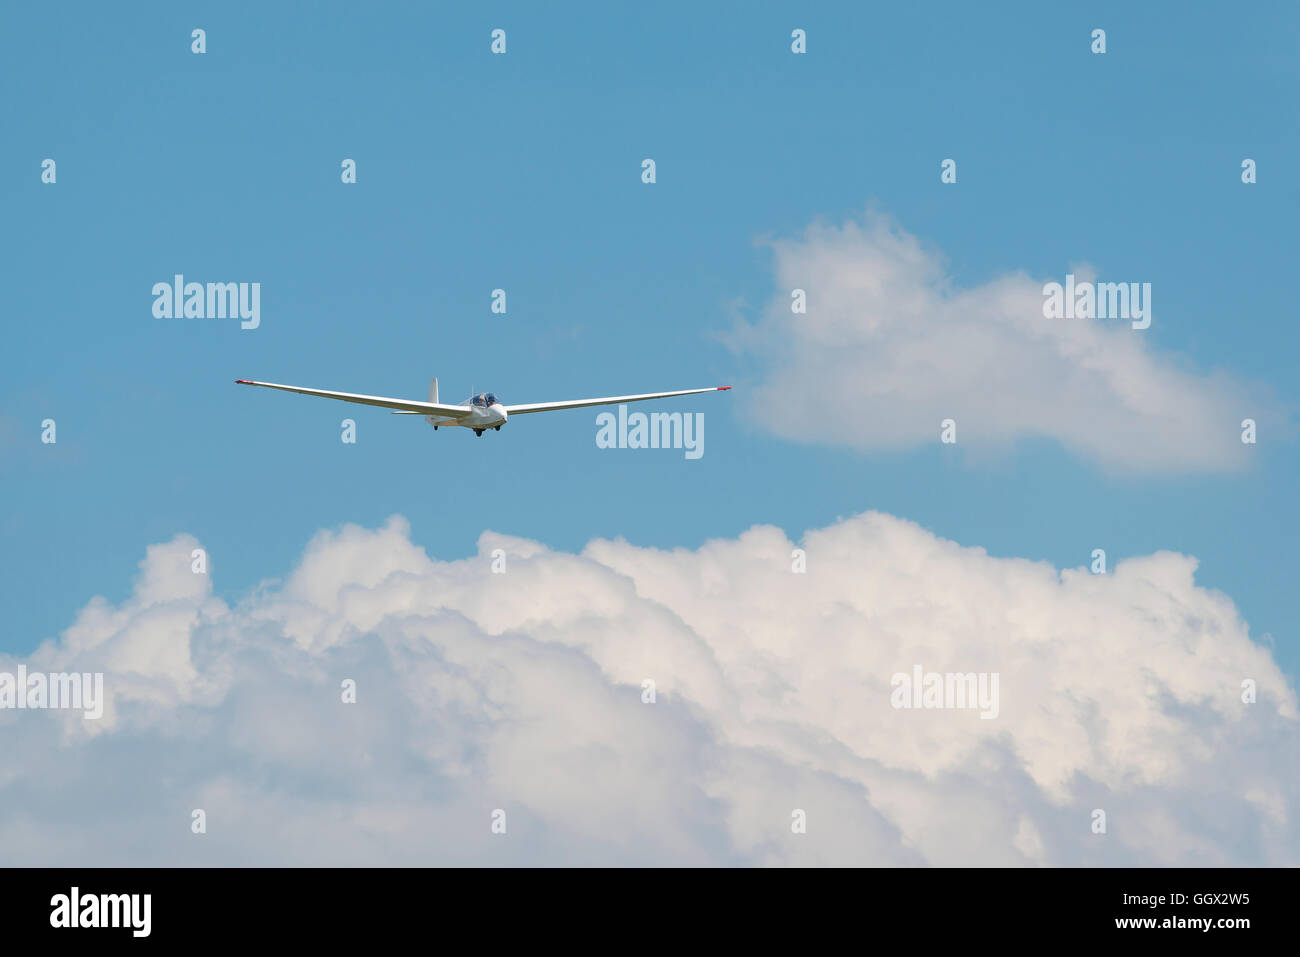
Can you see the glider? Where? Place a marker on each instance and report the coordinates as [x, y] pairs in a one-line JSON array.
[[479, 412]]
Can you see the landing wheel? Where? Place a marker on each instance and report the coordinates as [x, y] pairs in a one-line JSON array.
[[479, 433], [498, 428], [435, 428]]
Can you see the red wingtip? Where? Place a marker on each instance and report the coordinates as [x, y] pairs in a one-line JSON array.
[[244, 382], [723, 388]]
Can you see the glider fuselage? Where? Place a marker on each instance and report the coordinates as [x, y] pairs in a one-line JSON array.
[[480, 416]]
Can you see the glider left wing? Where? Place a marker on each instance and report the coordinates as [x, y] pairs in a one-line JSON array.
[[401, 405]]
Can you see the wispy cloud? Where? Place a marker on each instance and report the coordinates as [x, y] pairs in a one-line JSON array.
[[890, 347]]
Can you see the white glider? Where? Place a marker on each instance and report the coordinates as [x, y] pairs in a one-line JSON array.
[[480, 412]]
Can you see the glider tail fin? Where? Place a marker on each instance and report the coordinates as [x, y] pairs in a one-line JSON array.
[[433, 390]]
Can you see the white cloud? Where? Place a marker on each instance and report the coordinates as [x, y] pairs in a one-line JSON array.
[[889, 348], [523, 692]]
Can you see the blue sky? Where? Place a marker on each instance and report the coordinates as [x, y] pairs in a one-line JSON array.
[[522, 171]]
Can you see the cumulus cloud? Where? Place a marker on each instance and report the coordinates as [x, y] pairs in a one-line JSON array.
[[890, 347], [524, 692]]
